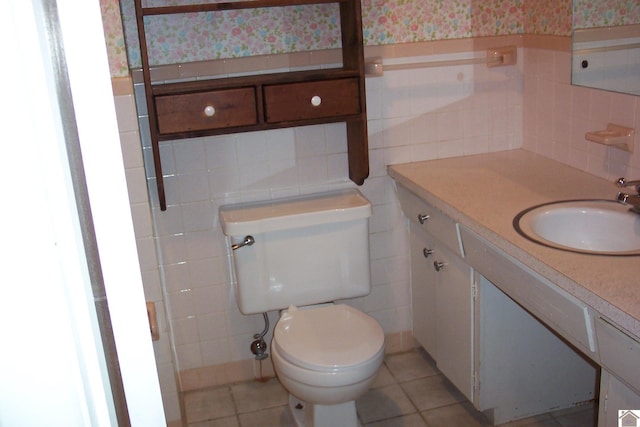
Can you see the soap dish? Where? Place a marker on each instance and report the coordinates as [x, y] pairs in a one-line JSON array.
[[615, 135]]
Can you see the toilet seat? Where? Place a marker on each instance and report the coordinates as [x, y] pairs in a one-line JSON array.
[[328, 338]]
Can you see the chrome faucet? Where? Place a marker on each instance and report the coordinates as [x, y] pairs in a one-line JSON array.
[[629, 199]]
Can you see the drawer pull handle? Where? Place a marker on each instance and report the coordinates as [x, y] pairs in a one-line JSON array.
[[316, 100], [438, 265], [422, 218], [426, 252], [209, 111]]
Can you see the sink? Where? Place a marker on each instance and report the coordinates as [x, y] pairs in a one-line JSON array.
[[600, 227]]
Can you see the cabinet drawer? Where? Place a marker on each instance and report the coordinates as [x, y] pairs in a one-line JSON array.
[[437, 224], [619, 352], [311, 100], [561, 311], [206, 110]]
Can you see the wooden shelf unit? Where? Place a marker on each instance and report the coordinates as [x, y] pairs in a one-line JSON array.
[[261, 101]]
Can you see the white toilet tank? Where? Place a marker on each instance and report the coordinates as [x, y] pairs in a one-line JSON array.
[[307, 250]]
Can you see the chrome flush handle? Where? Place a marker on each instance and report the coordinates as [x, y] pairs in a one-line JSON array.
[[248, 241]]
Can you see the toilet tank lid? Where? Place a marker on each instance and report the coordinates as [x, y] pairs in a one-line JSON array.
[[303, 211]]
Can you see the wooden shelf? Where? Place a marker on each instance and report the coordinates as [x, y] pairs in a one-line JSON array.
[[262, 101], [222, 6]]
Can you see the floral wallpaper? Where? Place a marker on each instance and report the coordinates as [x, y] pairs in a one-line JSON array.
[[550, 17], [405, 21], [201, 36], [606, 13], [235, 33], [114, 38]]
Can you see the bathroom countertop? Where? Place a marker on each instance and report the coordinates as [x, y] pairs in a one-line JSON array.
[[484, 192]]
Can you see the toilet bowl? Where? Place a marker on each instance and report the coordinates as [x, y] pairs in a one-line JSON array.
[[308, 251], [326, 357]]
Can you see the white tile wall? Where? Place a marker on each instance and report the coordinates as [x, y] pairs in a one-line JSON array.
[[557, 116], [145, 239]]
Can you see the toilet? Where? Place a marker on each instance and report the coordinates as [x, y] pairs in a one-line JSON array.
[[299, 256]]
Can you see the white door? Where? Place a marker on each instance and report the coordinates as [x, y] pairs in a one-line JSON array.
[[52, 363]]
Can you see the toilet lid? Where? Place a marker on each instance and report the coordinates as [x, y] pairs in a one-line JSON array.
[[327, 337]]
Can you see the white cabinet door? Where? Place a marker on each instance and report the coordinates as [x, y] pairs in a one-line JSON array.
[[442, 307], [423, 291], [454, 319], [619, 405]]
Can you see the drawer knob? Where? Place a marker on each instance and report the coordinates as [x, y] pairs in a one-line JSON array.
[[438, 265], [316, 100], [209, 111], [426, 252], [422, 218]]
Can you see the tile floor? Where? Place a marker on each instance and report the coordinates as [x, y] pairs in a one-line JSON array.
[[409, 391]]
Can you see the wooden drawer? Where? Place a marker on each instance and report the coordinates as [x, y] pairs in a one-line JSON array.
[[311, 100], [561, 311], [437, 224], [206, 110]]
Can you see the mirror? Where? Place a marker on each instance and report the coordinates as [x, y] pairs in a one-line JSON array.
[[606, 45]]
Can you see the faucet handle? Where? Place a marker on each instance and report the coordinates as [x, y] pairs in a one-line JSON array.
[[622, 182], [622, 198]]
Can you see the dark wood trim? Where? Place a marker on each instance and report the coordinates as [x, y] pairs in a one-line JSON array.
[[153, 122], [218, 7]]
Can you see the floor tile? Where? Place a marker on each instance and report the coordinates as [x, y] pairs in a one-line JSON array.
[[383, 378], [432, 392], [208, 404], [410, 365], [577, 417], [272, 417], [460, 414], [413, 420], [255, 395], [219, 422], [409, 391], [383, 402], [537, 421]]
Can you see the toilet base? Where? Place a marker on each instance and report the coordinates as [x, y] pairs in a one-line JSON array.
[[309, 415]]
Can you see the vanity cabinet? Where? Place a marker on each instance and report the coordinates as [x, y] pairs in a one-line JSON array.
[[262, 101], [441, 292], [526, 291], [500, 356]]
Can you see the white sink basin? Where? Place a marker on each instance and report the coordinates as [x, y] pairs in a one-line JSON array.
[[603, 227]]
